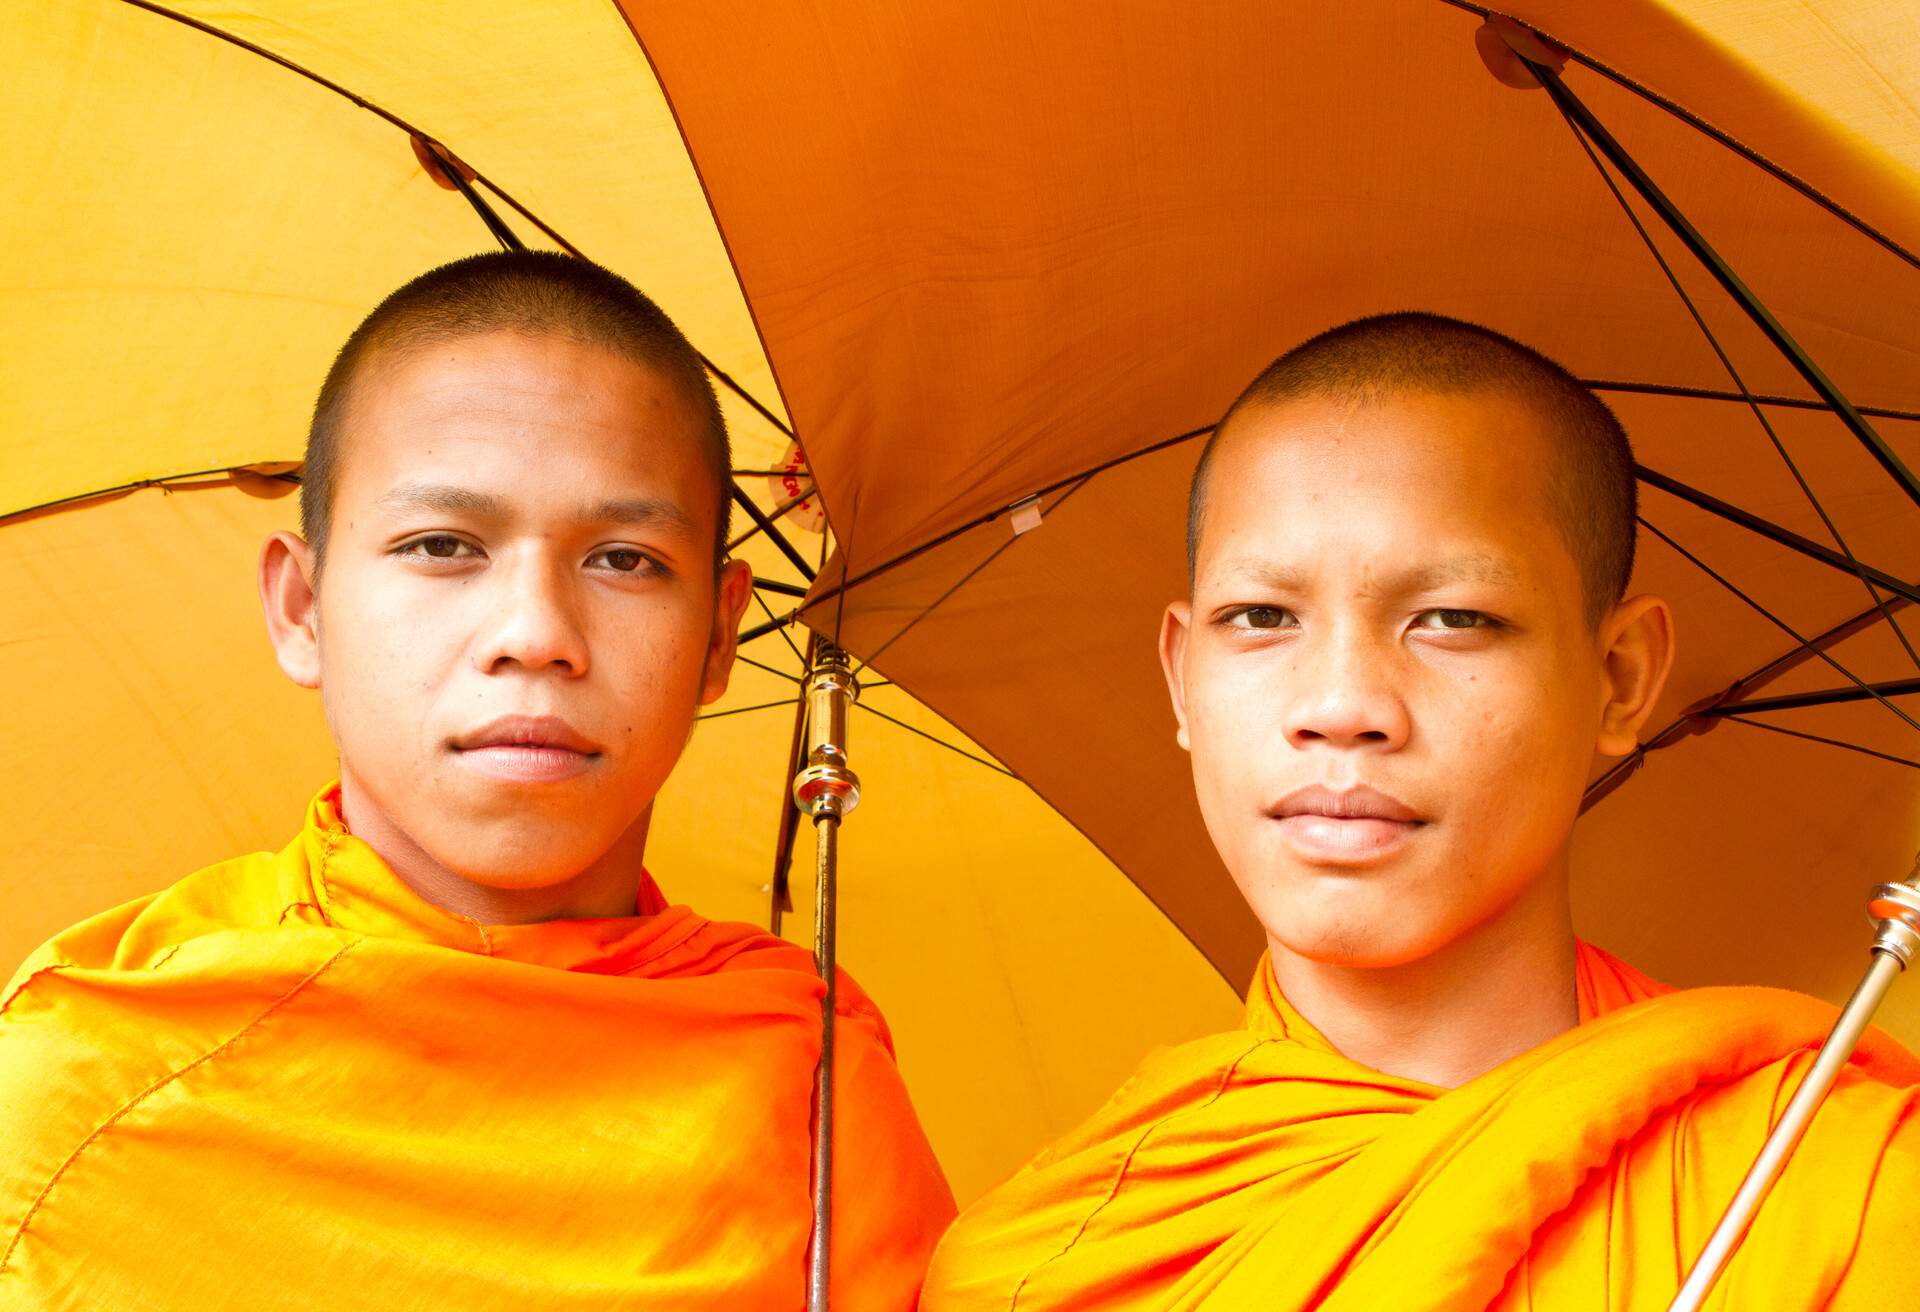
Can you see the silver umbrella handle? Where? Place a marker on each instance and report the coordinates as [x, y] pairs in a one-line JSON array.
[[1895, 909], [826, 790]]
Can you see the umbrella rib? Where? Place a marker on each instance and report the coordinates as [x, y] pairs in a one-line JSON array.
[[1677, 728], [966, 578], [938, 741], [770, 669], [778, 626], [1714, 134], [1582, 122], [1726, 362], [1741, 397], [1830, 742], [1780, 624], [773, 514], [200, 25], [742, 710]]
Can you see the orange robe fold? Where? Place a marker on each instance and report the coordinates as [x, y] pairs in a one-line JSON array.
[[288, 1082], [1261, 1169]]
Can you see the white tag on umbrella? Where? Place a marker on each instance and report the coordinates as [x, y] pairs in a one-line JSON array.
[[1026, 516]]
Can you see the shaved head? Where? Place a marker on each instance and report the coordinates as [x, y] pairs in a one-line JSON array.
[[1590, 488], [532, 292]]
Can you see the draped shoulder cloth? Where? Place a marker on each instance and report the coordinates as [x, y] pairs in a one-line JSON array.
[[288, 1082], [1261, 1169]]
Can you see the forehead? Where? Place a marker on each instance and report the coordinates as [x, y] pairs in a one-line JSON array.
[[1397, 482], [519, 411]]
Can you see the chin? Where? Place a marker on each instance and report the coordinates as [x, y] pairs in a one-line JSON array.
[[518, 862]]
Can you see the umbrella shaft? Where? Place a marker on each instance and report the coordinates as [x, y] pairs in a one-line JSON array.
[[826, 831]]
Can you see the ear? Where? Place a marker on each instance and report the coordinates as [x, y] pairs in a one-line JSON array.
[[1636, 652], [731, 593], [286, 595], [1175, 626]]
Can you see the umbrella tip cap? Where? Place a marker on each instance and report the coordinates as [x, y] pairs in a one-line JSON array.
[[1506, 45]]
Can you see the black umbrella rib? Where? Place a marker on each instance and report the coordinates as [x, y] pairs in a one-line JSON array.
[[767, 526], [742, 710], [938, 741], [1717, 136], [1738, 398], [1746, 394], [1830, 742], [1780, 624], [1687, 721], [1824, 697], [502, 232], [782, 508], [1590, 129], [1773, 532]]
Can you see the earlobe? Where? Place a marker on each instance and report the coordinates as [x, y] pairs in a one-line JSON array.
[[1174, 627], [1637, 654], [287, 598], [732, 591]]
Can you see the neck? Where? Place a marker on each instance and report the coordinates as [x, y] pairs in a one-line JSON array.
[[608, 887], [1443, 1019]]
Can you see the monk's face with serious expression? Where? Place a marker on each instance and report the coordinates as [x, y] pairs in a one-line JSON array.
[[517, 616], [1387, 676]]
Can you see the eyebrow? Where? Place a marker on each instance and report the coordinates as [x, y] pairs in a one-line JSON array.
[[1489, 570], [448, 499]]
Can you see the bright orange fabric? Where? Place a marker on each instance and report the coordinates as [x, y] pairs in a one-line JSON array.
[[288, 1082], [1261, 1169]]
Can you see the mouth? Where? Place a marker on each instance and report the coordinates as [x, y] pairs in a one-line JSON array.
[[526, 749], [1355, 826]]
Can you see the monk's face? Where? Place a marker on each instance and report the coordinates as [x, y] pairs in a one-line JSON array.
[[518, 614], [1386, 676]]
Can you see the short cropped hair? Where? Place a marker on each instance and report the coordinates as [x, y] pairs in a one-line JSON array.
[[533, 292], [1591, 490]]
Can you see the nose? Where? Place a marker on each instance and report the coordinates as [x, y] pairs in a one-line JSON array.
[[1344, 695], [533, 621]]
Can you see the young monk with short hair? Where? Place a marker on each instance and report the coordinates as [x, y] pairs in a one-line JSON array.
[[451, 1047], [1405, 645]]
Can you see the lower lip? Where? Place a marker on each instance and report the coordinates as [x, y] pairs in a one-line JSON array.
[[1341, 841], [527, 765]]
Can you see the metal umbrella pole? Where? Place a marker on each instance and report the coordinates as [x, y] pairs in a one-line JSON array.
[[1895, 909], [826, 790]]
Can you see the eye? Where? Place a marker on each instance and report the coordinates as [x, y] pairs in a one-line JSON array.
[[1260, 617], [626, 560], [1454, 620], [438, 546]]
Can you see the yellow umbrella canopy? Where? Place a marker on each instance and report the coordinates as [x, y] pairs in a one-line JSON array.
[[992, 257], [191, 230]]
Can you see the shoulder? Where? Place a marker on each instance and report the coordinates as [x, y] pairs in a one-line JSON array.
[[237, 893]]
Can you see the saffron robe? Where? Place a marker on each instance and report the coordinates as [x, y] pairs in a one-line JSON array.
[[1261, 1169], [289, 1082]]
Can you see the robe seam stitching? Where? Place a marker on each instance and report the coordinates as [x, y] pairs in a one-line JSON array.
[[1126, 1164], [29, 980], [6, 1259], [334, 834]]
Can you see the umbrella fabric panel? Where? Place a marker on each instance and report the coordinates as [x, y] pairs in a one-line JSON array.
[[1172, 200]]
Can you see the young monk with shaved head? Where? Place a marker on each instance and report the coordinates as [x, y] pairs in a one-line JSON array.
[[1406, 645], [451, 1047]]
